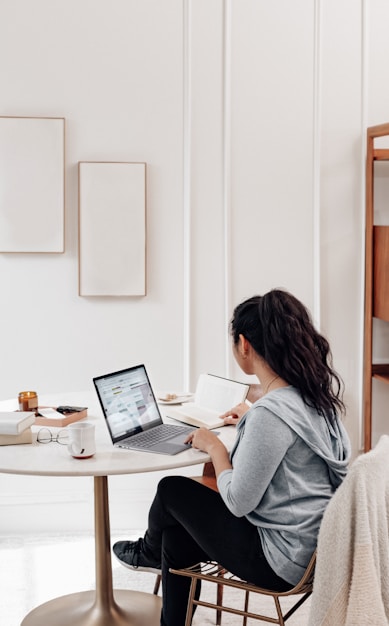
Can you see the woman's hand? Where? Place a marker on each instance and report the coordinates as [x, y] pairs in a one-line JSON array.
[[203, 439], [235, 414]]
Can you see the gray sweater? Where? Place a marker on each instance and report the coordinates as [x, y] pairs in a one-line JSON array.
[[287, 463]]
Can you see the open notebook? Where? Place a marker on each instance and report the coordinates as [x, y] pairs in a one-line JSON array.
[[214, 396]]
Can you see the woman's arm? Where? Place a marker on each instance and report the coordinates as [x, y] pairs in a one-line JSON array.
[[261, 448], [205, 440]]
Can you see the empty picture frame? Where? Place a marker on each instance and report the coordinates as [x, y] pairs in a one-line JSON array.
[[112, 229], [32, 179]]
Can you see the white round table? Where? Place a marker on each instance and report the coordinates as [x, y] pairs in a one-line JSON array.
[[103, 606]]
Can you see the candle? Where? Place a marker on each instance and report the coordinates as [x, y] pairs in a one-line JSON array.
[[28, 400]]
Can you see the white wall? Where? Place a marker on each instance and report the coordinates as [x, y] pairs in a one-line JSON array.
[[251, 117], [115, 72]]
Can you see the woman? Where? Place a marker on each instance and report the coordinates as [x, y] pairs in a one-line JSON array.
[[290, 455]]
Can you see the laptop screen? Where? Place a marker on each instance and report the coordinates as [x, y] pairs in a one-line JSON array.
[[128, 402]]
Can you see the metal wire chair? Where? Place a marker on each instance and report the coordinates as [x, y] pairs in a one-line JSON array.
[[215, 573]]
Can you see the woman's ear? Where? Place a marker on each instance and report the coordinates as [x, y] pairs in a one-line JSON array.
[[243, 346]]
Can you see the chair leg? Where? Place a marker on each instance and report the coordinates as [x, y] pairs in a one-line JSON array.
[[246, 606], [219, 597], [219, 600], [279, 611], [157, 584], [189, 610]]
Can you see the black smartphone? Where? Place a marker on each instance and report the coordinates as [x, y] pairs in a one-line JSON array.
[[70, 409]]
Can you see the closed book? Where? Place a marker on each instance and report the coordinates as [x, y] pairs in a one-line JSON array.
[[13, 440], [14, 422]]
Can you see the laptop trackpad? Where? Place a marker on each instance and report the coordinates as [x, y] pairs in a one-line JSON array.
[[167, 447]]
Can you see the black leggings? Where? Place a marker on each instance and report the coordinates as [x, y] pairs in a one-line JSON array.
[[189, 523]]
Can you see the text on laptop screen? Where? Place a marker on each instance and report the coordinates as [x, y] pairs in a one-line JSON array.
[[127, 401]]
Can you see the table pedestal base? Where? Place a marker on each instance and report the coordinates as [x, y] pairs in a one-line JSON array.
[[133, 608]]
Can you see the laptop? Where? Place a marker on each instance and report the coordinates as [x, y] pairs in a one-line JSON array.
[[132, 414]]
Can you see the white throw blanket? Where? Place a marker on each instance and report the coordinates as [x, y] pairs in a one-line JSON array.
[[351, 586]]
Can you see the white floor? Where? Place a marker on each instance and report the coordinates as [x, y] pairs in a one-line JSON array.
[[36, 569]]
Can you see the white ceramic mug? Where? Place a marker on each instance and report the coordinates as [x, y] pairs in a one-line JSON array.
[[81, 440]]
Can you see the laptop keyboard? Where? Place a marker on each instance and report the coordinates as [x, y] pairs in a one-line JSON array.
[[155, 435]]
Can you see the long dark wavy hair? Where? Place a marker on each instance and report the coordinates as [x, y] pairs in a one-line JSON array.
[[280, 330]]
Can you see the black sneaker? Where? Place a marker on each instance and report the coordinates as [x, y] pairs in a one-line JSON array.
[[131, 554]]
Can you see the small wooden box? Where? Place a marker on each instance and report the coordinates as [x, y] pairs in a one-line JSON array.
[[68, 418]]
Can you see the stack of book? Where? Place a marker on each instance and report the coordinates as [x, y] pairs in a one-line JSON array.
[[15, 427]]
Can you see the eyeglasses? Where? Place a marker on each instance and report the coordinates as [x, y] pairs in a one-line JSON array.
[[46, 436]]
